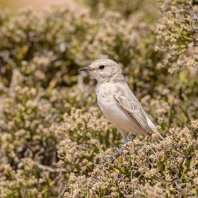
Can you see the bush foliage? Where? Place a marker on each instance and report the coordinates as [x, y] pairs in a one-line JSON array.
[[178, 34], [55, 142]]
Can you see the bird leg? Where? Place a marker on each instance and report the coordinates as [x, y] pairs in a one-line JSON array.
[[124, 135], [131, 139]]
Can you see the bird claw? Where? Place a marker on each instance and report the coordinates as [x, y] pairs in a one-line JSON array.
[[131, 139]]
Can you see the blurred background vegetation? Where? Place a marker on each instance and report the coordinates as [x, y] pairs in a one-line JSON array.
[[54, 141], [36, 4]]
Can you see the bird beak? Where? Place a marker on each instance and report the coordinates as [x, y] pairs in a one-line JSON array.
[[85, 69]]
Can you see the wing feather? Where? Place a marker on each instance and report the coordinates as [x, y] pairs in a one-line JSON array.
[[134, 108]]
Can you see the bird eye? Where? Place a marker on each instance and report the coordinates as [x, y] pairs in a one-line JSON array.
[[101, 67]]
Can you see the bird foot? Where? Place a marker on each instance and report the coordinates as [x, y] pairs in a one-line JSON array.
[[131, 139]]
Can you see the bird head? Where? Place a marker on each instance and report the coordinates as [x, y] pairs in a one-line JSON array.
[[103, 69]]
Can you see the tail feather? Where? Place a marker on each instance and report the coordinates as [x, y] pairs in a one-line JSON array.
[[153, 128]]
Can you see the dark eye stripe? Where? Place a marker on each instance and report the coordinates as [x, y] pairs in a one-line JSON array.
[[101, 67]]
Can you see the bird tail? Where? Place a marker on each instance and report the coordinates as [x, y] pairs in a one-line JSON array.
[[153, 128]]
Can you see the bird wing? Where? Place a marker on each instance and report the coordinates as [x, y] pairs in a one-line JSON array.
[[134, 108]]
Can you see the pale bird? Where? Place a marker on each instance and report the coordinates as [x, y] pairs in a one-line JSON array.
[[117, 102]]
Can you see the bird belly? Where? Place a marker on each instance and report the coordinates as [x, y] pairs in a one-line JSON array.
[[118, 117]]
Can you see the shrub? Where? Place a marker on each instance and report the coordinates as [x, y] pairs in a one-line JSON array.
[[142, 10], [54, 139], [49, 47], [177, 32], [144, 169]]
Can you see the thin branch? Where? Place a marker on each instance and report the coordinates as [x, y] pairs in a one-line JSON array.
[[50, 169]]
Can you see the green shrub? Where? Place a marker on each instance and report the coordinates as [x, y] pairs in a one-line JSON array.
[[136, 10], [177, 32], [81, 137], [54, 141], [144, 169], [49, 47]]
